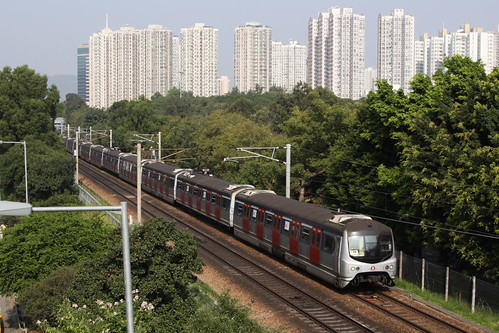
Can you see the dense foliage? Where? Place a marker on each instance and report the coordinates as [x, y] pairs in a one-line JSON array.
[[44, 242], [27, 112], [163, 262]]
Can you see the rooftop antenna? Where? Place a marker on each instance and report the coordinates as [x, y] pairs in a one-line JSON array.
[[107, 22]]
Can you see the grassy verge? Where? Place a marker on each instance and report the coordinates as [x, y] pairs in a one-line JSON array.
[[482, 316]]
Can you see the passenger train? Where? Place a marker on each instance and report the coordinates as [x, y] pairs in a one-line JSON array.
[[339, 248]]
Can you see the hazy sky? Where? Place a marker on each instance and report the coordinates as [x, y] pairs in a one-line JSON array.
[[45, 34]]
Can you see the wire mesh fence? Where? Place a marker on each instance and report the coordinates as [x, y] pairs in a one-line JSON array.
[[445, 281]]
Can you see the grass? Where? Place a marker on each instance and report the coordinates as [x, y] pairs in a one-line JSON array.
[[483, 315]]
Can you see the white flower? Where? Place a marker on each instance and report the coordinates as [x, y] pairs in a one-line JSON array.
[[99, 302], [38, 322], [150, 307], [74, 305], [84, 306], [143, 305]]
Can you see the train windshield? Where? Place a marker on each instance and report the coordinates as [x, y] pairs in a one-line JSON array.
[[370, 248]]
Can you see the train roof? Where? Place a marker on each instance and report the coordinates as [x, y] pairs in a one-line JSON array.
[[306, 212], [212, 183], [113, 152]]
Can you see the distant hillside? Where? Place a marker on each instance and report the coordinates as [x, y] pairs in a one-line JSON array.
[[65, 83]]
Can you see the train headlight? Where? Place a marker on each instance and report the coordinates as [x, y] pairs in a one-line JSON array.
[[353, 268], [388, 267]]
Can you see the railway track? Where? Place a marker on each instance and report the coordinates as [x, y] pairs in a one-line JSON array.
[[316, 315], [422, 321]]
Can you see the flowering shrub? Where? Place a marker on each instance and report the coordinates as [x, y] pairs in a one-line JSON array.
[[103, 317]]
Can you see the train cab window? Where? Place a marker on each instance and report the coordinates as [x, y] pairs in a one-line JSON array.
[[269, 219], [328, 244], [305, 235]]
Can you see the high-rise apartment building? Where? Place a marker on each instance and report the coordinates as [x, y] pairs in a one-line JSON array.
[[473, 43], [176, 62], [82, 72], [199, 59], [289, 64], [396, 49], [337, 52], [128, 63], [252, 57], [223, 85]]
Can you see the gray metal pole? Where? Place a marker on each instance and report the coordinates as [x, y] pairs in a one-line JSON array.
[[447, 274], [25, 171], [127, 266], [288, 170], [110, 138], [473, 294], [77, 142], [159, 146], [139, 183]]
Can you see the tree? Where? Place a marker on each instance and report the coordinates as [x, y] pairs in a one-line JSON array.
[[27, 106], [45, 241], [73, 102], [50, 169], [163, 264], [451, 154], [313, 128]]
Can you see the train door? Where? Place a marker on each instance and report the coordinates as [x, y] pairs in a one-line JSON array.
[[276, 230], [293, 238], [188, 192], [199, 193], [259, 223], [246, 217], [182, 193], [207, 198], [304, 244], [268, 226], [156, 181], [285, 233], [218, 206], [315, 245]]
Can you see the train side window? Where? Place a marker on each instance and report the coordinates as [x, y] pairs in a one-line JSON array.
[[305, 235], [213, 198], [187, 188], [286, 226], [240, 209], [195, 191], [269, 219], [225, 203], [204, 195], [328, 244], [254, 212]]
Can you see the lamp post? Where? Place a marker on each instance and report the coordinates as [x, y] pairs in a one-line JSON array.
[[25, 164], [9, 208]]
